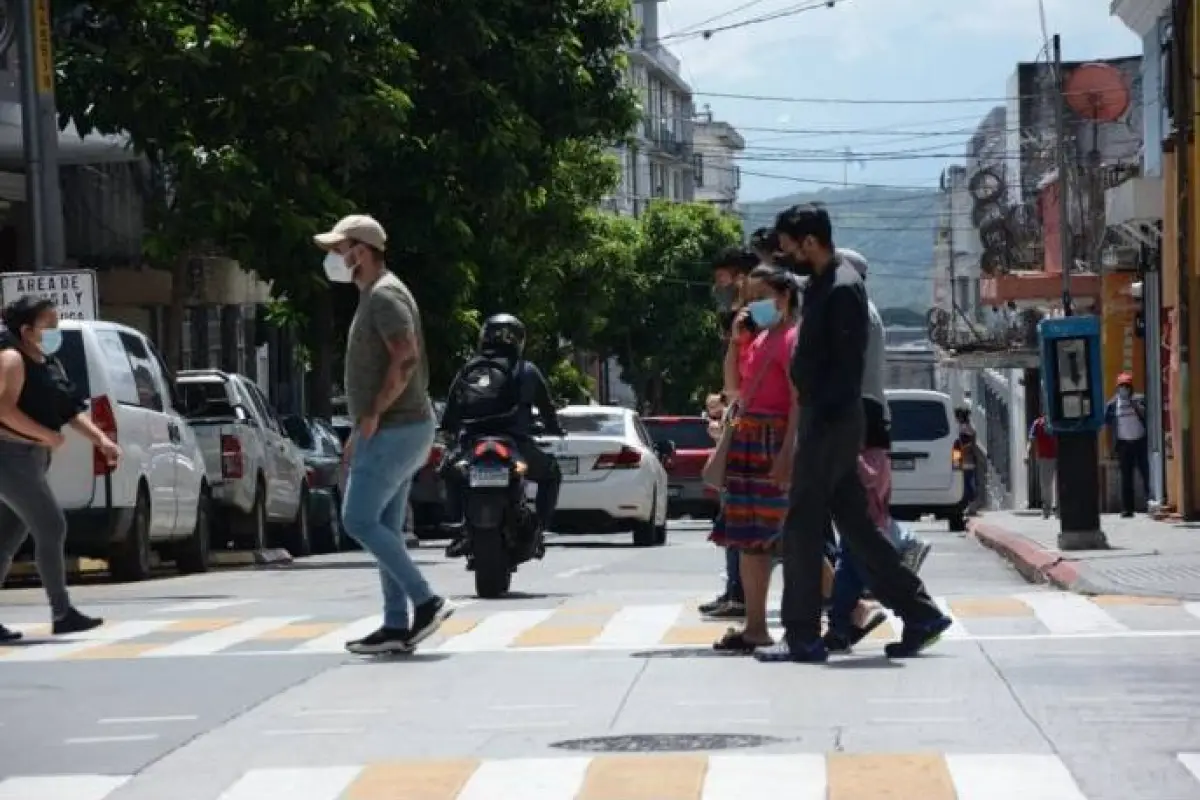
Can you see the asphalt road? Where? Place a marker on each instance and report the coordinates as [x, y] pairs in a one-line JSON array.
[[594, 681]]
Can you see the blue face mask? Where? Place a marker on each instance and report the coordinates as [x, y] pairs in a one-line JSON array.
[[764, 312], [51, 340]]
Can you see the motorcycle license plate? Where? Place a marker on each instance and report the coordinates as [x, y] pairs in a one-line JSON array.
[[484, 478]]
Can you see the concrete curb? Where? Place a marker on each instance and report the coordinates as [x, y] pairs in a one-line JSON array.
[[1038, 564]]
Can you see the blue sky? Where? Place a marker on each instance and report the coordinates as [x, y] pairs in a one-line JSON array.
[[870, 50]]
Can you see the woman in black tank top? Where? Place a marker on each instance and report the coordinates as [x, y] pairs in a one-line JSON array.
[[36, 401]]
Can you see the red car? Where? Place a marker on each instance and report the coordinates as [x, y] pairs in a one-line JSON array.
[[687, 494]]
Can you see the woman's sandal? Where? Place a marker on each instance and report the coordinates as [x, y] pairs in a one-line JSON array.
[[734, 641]]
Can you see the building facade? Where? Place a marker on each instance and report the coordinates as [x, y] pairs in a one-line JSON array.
[[716, 146], [658, 163]]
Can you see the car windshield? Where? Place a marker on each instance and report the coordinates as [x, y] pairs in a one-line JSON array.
[[593, 424], [298, 431], [919, 420], [687, 434]]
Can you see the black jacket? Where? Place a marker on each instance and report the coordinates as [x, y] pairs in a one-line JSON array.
[[827, 366], [533, 393]]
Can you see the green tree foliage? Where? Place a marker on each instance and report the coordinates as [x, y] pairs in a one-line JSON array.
[[662, 326], [475, 130]]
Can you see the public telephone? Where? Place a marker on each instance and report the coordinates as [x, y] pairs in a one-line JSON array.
[[1072, 391]]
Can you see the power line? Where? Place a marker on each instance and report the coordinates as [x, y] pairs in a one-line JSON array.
[[790, 11], [879, 101], [722, 15]]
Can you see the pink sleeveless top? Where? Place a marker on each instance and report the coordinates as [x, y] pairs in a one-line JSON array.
[[773, 394]]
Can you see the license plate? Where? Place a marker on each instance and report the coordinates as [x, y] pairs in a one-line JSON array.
[[904, 464], [568, 465], [674, 491], [485, 478]]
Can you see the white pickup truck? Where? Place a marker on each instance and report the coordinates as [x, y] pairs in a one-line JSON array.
[[258, 476]]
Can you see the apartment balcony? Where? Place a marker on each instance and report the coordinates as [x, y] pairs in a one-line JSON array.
[[663, 62]]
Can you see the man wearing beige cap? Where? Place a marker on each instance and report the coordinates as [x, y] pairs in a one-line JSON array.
[[387, 391]]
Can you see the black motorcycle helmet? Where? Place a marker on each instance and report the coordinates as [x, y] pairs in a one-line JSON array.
[[502, 334]]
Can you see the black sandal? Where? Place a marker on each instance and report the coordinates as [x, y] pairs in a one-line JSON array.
[[734, 641]]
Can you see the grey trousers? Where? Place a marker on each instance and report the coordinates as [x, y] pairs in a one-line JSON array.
[[1046, 469], [27, 506], [826, 485]]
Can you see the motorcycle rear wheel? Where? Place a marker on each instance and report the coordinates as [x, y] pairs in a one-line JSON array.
[[493, 573]]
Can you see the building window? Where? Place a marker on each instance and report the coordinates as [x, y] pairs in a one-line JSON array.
[[698, 169], [185, 340]]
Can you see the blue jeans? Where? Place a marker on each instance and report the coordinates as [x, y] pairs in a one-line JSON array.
[[374, 509], [848, 585]]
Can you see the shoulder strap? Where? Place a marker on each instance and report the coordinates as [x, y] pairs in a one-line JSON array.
[[752, 387]]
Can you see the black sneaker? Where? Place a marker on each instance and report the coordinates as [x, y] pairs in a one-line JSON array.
[[845, 642], [456, 549], [427, 618], [730, 610], [381, 642], [917, 638], [8, 635], [75, 621], [713, 605]]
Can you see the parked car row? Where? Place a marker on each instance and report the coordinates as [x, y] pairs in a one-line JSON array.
[[207, 462]]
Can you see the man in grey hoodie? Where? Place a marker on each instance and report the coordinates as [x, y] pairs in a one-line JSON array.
[[850, 619]]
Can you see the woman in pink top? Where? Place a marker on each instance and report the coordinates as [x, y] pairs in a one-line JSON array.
[[756, 502]]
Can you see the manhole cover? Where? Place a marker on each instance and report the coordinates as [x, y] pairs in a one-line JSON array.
[[681, 652], [666, 742]]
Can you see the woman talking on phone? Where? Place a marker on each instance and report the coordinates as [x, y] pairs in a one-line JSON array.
[[36, 401]]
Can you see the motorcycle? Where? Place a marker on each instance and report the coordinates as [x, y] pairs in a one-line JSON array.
[[501, 526]]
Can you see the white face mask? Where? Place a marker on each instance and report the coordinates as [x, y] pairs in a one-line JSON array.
[[336, 270]]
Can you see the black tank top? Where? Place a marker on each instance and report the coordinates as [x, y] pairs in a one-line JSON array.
[[48, 396]]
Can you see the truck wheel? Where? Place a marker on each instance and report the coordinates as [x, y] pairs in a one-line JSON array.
[[299, 536], [252, 527], [191, 555], [129, 560]]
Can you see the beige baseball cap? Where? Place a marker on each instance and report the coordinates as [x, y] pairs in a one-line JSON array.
[[359, 227]]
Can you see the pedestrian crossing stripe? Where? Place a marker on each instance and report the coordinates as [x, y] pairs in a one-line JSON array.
[[1022, 616], [838, 776]]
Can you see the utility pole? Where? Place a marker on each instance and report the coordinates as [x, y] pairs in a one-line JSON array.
[[39, 128], [1181, 116], [1078, 452]]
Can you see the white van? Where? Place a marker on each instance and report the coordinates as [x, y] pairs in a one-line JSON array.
[[157, 497], [927, 473]]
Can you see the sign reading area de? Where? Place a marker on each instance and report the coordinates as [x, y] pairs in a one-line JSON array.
[[73, 291]]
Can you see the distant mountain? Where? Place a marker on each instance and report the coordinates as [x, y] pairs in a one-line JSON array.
[[893, 228]]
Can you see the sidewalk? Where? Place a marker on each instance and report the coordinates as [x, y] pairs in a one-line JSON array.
[[1145, 557]]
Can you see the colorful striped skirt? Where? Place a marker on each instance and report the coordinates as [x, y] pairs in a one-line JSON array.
[[755, 507]]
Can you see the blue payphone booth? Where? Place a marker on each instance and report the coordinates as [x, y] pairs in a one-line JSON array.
[[1072, 383]]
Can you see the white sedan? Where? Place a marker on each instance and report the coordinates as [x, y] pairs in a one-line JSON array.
[[613, 476]]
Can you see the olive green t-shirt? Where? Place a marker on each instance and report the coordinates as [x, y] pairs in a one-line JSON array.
[[386, 310]]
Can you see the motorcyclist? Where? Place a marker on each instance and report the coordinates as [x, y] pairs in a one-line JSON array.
[[494, 394]]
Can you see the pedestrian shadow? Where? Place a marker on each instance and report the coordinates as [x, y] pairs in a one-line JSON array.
[[683, 652], [387, 659], [568, 545], [879, 661], [301, 564]]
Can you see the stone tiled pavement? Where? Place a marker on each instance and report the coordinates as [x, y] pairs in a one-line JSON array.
[[1145, 556]]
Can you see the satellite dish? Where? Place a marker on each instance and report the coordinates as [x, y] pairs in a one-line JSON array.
[[1097, 92]]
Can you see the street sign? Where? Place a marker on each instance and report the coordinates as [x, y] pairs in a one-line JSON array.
[[72, 290]]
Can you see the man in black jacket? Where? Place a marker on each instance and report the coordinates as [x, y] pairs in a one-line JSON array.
[[827, 371]]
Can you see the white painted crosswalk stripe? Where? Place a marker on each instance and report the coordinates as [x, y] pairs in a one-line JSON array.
[[71, 646], [305, 783], [749, 776], [335, 641], [61, 787], [633, 626], [216, 641], [994, 777], [1062, 612], [527, 779], [496, 632]]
